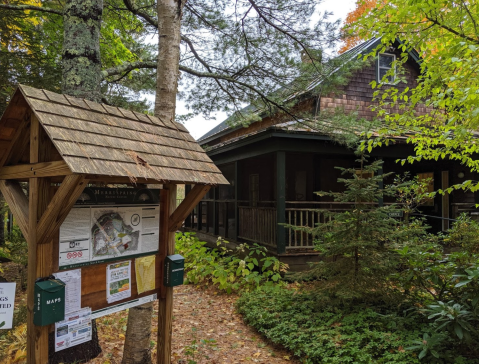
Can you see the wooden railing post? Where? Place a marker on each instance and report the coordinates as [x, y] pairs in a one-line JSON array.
[[281, 201]]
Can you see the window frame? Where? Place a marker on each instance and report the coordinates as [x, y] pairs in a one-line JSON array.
[[378, 68]]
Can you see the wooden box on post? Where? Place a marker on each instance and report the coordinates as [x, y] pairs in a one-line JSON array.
[[49, 302]]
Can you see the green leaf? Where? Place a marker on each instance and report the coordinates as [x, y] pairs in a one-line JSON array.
[[458, 331]]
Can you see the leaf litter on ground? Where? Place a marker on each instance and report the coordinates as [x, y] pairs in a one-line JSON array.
[[206, 330]]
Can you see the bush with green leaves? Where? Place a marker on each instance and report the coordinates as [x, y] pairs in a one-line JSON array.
[[317, 332], [16, 250], [444, 287], [242, 269]]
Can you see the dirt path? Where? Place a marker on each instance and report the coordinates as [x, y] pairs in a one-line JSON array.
[[206, 329]]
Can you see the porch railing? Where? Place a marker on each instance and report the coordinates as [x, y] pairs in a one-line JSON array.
[[258, 224], [307, 214]]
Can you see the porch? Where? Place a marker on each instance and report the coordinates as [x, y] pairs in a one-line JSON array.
[[273, 184]]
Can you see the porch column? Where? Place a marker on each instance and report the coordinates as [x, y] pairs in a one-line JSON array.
[[381, 186], [236, 229], [280, 201]]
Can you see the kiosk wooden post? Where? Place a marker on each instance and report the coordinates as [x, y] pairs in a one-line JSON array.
[[47, 139]]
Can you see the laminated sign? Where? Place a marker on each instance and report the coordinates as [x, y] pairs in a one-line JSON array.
[[7, 300]]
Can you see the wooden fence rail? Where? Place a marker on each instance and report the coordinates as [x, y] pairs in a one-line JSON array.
[[258, 224]]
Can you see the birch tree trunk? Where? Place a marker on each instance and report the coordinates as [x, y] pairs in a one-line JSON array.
[[137, 348]]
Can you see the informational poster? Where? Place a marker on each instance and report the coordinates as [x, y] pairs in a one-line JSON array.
[[145, 273], [118, 281], [99, 233], [150, 233], [74, 330], [72, 280], [75, 237], [7, 304]]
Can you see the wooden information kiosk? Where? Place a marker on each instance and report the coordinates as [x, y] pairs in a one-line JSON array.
[[56, 152]]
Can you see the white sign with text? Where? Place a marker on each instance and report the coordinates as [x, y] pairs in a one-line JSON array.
[[7, 304]]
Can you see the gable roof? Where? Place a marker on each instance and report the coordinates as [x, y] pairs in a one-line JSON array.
[[351, 54], [98, 139]]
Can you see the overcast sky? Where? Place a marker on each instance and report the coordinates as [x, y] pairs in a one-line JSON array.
[[198, 126]]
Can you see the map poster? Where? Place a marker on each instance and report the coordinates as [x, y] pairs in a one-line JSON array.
[[118, 281], [115, 232], [97, 234], [74, 330], [7, 303]]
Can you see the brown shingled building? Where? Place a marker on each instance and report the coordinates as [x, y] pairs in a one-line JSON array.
[[274, 166]]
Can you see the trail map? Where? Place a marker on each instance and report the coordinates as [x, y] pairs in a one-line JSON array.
[[115, 231], [98, 233]]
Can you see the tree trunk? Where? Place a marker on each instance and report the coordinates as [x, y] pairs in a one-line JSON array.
[[169, 22], [137, 344], [81, 67], [138, 333], [3, 211], [81, 49]]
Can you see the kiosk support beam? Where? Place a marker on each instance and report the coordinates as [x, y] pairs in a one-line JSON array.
[[59, 207], [45, 169], [39, 259], [165, 302], [186, 206]]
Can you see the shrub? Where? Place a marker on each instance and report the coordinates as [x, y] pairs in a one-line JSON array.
[[242, 269], [330, 334]]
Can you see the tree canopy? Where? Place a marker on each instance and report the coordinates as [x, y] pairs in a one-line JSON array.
[[446, 36], [231, 54]]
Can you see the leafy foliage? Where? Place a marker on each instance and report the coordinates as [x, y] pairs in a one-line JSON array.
[[331, 334], [445, 35], [244, 269]]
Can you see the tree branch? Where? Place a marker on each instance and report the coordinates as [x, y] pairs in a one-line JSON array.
[[127, 67], [149, 19], [30, 7], [286, 33], [449, 29]]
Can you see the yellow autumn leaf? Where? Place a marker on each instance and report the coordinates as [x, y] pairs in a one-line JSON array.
[[19, 355], [121, 336]]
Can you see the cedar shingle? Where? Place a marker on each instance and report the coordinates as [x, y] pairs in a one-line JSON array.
[[100, 139]]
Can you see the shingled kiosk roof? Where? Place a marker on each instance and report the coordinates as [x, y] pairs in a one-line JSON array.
[[98, 139]]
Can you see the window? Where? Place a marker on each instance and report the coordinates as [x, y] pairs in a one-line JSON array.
[[427, 177], [385, 64]]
